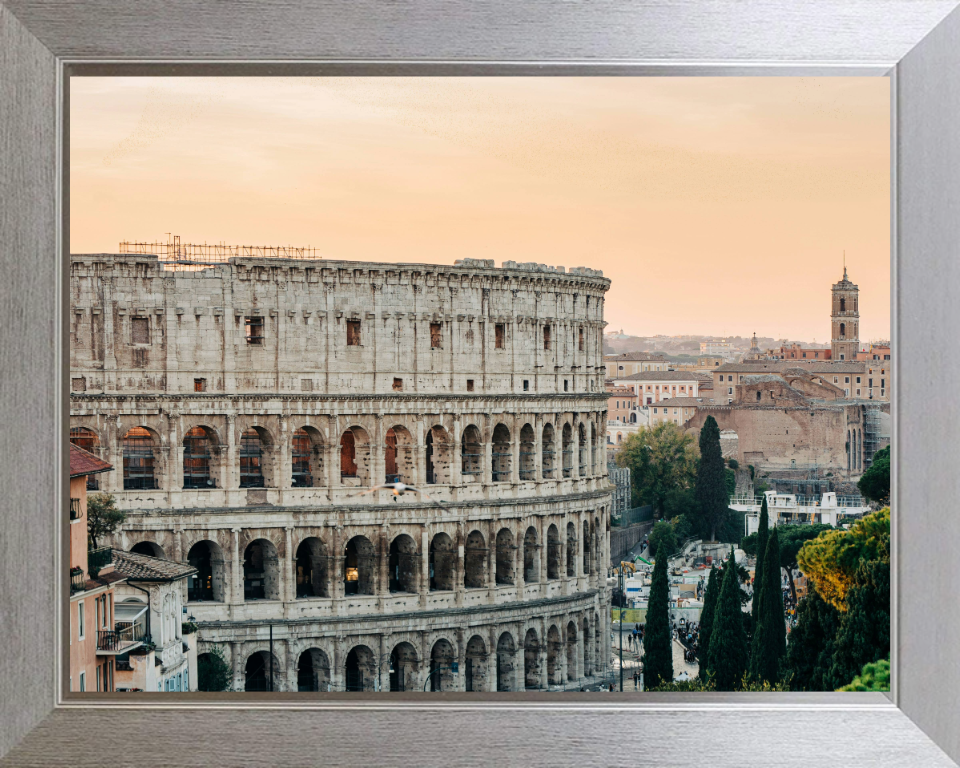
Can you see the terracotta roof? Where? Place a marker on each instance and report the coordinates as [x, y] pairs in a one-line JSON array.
[[85, 463], [146, 568], [103, 580], [663, 376], [779, 366], [685, 402]]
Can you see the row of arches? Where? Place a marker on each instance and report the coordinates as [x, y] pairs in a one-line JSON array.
[[567, 652], [567, 452], [357, 567]]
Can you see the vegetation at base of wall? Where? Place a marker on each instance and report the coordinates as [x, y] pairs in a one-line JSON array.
[[103, 517], [213, 672], [662, 460], [874, 484], [753, 471], [831, 560], [187, 627], [700, 686], [874, 677], [658, 638]]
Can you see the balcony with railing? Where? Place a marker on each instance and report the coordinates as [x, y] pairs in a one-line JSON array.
[[111, 642], [98, 559], [77, 580]]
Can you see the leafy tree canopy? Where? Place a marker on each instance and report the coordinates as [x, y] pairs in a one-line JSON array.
[[662, 539], [213, 671], [662, 459], [874, 677], [103, 517], [831, 560], [875, 482]]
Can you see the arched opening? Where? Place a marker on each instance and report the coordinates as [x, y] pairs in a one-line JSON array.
[[528, 453], [359, 566], [633, 420], [843, 330], [404, 564], [501, 454], [531, 660], [262, 673], [443, 561], [360, 669], [571, 550], [439, 456], [843, 304], [441, 666], [553, 553], [586, 548], [571, 651], [313, 671], [554, 656], [474, 561], [312, 578], [471, 451], [587, 660], [475, 664], [548, 452], [261, 571], [251, 460], [404, 668], [582, 455], [506, 663], [354, 457], [506, 553], [148, 548], [531, 556], [199, 470], [88, 440], [398, 455], [567, 450], [208, 582], [138, 460], [307, 448]]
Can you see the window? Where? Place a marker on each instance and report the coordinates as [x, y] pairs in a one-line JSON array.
[[835, 380], [858, 392], [83, 681], [843, 330], [843, 305], [842, 356], [98, 678], [654, 410], [882, 383], [306, 385], [729, 390], [199, 385], [858, 379], [398, 384], [81, 629], [140, 327], [580, 340], [566, 385], [99, 619], [435, 336], [78, 385], [500, 331], [869, 382], [758, 396], [804, 354], [469, 385], [846, 379], [353, 333], [254, 329], [526, 385], [546, 341]]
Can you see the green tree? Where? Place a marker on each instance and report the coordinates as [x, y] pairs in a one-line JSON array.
[[875, 482], [679, 501], [831, 560], [762, 535], [683, 528], [657, 639], [769, 637], [103, 517], [874, 677], [810, 650], [711, 488], [728, 642], [213, 672], [864, 633], [706, 618], [661, 459], [792, 538], [662, 537]]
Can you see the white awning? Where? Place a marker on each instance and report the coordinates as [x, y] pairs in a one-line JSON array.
[[128, 612]]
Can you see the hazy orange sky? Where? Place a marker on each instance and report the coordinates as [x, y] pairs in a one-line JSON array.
[[716, 205]]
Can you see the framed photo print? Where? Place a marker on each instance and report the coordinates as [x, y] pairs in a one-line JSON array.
[[459, 383]]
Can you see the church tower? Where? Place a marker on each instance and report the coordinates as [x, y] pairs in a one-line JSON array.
[[845, 320]]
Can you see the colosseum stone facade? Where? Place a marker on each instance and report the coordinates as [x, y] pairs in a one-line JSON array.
[[248, 403]]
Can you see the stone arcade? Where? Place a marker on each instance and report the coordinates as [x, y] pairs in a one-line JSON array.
[[249, 402]]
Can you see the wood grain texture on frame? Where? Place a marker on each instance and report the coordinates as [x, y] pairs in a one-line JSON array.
[[666, 36]]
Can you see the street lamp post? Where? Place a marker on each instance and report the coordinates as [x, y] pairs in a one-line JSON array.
[[621, 627], [380, 668], [454, 667]]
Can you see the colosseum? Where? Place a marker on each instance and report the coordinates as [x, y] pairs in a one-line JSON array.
[[251, 402]]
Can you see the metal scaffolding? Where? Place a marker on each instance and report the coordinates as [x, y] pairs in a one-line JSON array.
[[174, 255]]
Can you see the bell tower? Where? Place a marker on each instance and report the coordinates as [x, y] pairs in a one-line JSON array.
[[845, 320]]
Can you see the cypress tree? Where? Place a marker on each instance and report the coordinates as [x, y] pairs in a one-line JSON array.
[[812, 642], [728, 641], [770, 634], [711, 486], [706, 618], [763, 534], [657, 639]]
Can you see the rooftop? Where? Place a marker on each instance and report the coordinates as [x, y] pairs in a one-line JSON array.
[[85, 463], [664, 376], [779, 366], [146, 568], [635, 357], [686, 402]]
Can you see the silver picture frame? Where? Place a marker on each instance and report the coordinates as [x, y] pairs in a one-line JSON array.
[[914, 43]]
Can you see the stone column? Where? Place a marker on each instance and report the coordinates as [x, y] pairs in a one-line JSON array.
[[419, 474], [575, 470], [290, 569], [460, 679], [236, 654], [336, 568], [538, 447], [487, 438], [492, 562], [236, 570], [544, 526], [230, 469], [336, 669], [515, 450], [542, 657], [383, 547], [456, 458], [174, 473], [458, 586], [292, 681], [284, 453], [518, 574], [424, 567]]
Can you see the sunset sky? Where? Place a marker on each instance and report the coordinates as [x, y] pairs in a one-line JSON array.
[[716, 205]]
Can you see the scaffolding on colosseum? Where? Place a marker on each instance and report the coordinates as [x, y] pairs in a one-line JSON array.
[[871, 434], [176, 256]]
